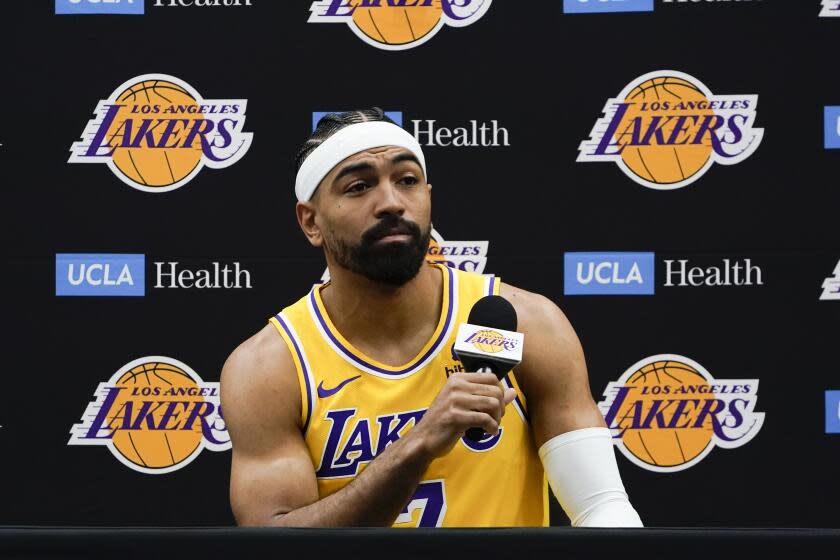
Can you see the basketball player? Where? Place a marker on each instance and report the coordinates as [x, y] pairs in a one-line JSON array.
[[350, 409]]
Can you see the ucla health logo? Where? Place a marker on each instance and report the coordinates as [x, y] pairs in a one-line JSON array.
[[430, 133], [125, 275], [397, 25], [600, 6], [396, 116], [155, 415], [832, 128], [609, 274], [832, 412], [666, 129], [100, 275], [136, 7], [830, 8], [667, 413], [119, 7], [156, 133]]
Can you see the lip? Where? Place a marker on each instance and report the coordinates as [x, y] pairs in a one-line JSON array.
[[393, 237]]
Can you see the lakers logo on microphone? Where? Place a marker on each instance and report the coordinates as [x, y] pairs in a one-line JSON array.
[[156, 133], [666, 129], [398, 24], [155, 415], [667, 412], [490, 341]]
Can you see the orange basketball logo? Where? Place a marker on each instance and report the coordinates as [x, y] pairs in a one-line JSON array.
[[398, 24], [155, 415], [156, 133], [666, 129], [488, 341], [667, 412]]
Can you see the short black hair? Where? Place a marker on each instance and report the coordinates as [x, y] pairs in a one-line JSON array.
[[332, 123]]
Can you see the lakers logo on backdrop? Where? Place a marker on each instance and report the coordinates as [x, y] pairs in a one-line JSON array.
[[667, 412], [156, 133], [398, 24], [469, 256], [831, 286], [155, 415], [830, 8], [666, 129]]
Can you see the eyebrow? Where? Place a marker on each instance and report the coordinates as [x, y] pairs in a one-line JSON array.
[[352, 168], [364, 166], [406, 156]]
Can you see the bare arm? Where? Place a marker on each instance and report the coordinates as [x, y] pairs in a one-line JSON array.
[[553, 372], [272, 477]]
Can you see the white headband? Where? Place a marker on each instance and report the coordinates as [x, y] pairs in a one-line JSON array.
[[346, 142]]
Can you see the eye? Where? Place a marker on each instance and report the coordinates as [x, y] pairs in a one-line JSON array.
[[357, 187], [409, 180]]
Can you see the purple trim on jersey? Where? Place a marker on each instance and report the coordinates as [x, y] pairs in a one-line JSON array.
[[362, 362], [302, 365], [492, 285], [516, 401]]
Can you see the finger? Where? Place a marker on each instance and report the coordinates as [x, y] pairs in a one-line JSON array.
[[478, 403], [495, 391], [480, 377], [509, 396], [472, 419]]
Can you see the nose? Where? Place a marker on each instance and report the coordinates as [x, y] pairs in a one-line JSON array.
[[389, 200]]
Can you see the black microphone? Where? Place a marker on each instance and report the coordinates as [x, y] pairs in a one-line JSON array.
[[489, 343]]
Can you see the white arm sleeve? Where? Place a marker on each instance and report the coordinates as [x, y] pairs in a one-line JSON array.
[[581, 468]]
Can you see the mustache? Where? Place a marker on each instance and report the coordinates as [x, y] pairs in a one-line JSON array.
[[391, 225]]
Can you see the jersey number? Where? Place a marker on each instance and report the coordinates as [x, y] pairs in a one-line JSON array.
[[430, 499]]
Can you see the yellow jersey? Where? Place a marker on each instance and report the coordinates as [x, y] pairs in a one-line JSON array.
[[353, 407]]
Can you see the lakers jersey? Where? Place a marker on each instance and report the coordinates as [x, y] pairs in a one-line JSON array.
[[354, 407]]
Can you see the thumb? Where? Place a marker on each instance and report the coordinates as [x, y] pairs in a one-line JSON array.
[[510, 394]]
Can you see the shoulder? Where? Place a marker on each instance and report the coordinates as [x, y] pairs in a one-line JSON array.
[[534, 312], [260, 372], [260, 355], [552, 352], [553, 372]]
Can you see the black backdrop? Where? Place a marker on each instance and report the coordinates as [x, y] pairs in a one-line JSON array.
[[545, 76]]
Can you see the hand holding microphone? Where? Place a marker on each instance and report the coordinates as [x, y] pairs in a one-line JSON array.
[[489, 343], [472, 403]]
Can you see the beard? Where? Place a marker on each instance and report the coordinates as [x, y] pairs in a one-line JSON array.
[[392, 264]]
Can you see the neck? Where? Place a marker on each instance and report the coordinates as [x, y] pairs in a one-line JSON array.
[[362, 309]]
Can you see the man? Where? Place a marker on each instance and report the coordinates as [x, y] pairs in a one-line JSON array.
[[350, 409]]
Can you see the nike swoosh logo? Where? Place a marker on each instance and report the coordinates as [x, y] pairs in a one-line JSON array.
[[324, 393]]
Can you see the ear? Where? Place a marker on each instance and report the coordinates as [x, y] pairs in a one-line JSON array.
[[306, 212]]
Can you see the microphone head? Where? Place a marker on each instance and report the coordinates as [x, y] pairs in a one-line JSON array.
[[495, 312]]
